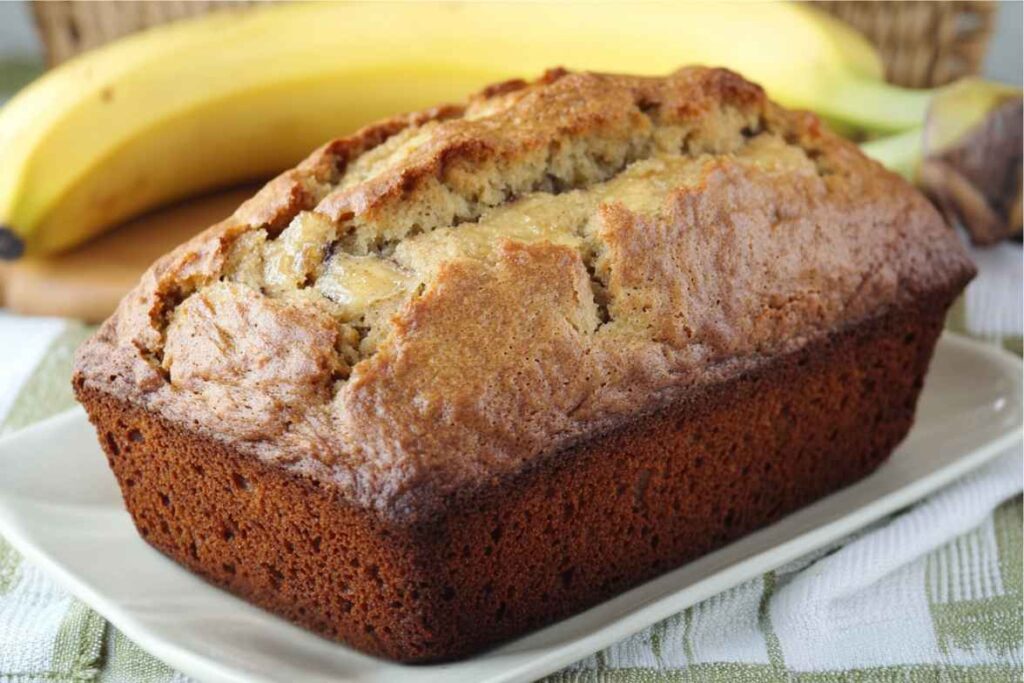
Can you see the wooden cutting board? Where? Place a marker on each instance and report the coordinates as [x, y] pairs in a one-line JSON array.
[[87, 282]]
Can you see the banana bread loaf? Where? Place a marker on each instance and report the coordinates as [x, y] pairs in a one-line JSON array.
[[471, 370]]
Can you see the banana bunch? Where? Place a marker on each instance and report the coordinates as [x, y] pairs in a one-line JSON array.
[[240, 95]]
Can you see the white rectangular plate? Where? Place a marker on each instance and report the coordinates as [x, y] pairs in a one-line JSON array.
[[60, 506]]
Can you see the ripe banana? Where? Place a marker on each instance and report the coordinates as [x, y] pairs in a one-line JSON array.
[[239, 95]]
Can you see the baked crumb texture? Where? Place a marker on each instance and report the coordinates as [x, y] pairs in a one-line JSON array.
[[471, 370]]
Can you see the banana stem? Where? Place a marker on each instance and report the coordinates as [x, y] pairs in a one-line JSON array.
[[966, 155], [874, 106], [901, 153]]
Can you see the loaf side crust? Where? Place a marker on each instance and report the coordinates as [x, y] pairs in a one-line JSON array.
[[571, 530]]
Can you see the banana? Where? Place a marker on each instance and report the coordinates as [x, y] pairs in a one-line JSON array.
[[239, 95]]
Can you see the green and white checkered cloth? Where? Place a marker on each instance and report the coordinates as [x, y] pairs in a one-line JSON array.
[[931, 594]]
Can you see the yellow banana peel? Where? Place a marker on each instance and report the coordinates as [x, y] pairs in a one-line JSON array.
[[238, 95]]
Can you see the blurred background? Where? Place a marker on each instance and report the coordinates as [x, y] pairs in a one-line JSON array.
[[921, 45], [24, 54]]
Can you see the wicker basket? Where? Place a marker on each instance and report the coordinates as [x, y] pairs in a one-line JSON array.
[[68, 27], [923, 43]]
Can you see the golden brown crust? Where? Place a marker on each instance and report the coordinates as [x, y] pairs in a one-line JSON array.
[[748, 232], [304, 187]]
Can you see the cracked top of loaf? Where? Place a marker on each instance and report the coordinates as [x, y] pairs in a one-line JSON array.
[[432, 303]]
